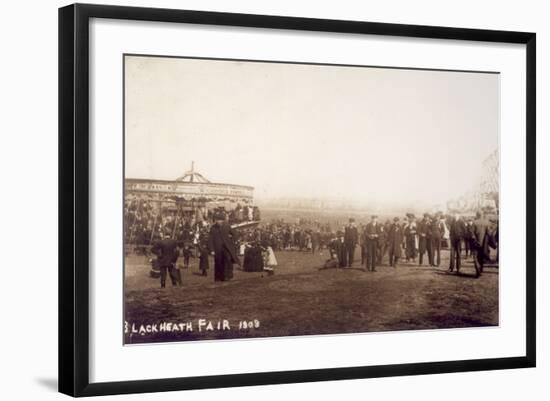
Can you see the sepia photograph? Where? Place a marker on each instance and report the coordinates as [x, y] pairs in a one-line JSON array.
[[274, 199]]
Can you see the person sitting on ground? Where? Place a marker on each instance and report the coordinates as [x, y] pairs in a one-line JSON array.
[[332, 262]]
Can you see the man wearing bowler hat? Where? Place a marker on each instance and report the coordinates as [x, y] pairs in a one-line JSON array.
[[351, 236], [167, 253], [340, 248], [410, 238], [479, 242], [425, 239], [457, 232], [395, 239], [372, 232], [437, 232], [221, 243]]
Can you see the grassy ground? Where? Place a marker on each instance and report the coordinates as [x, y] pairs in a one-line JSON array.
[[300, 299]]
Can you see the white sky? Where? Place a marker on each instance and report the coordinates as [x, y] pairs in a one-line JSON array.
[[289, 130]]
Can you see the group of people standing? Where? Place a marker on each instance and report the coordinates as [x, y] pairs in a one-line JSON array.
[[217, 240], [374, 240], [147, 221], [411, 239]]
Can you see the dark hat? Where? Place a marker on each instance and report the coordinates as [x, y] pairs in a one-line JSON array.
[[339, 233], [219, 215], [374, 216], [396, 219], [426, 214], [351, 219], [410, 215]]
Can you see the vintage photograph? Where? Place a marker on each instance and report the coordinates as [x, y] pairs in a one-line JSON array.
[[273, 199]]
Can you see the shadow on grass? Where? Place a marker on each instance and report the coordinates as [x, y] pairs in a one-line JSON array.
[[455, 274], [360, 269], [424, 269]]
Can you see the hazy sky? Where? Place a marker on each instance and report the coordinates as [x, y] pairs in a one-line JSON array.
[[311, 131]]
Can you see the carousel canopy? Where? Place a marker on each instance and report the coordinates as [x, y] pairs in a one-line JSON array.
[[191, 186], [192, 176]]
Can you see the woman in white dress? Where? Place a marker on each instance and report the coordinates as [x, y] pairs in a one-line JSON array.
[[270, 261]]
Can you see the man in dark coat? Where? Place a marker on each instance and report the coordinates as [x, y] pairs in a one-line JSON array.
[[221, 244], [479, 238], [203, 243], [424, 239], [468, 232], [338, 246], [437, 231], [496, 239], [315, 240], [351, 237], [363, 245], [410, 238], [298, 239], [394, 239], [382, 242], [372, 233], [457, 232], [167, 253]]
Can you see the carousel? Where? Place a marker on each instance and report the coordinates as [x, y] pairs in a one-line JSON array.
[[190, 198], [191, 188]]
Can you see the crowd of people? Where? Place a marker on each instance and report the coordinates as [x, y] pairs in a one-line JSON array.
[[411, 241], [222, 234], [146, 221]]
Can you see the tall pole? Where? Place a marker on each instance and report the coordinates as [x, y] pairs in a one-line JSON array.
[[155, 221], [133, 229], [176, 222]]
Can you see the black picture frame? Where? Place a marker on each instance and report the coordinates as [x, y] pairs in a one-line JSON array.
[[74, 198]]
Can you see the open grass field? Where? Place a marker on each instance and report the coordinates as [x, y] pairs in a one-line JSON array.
[[302, 299]]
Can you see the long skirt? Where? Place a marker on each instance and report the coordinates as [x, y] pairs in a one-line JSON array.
[[270, 261], [253, 259], [411, 247]]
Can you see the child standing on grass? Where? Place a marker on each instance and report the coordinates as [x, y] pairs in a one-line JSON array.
[[269, 260]]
